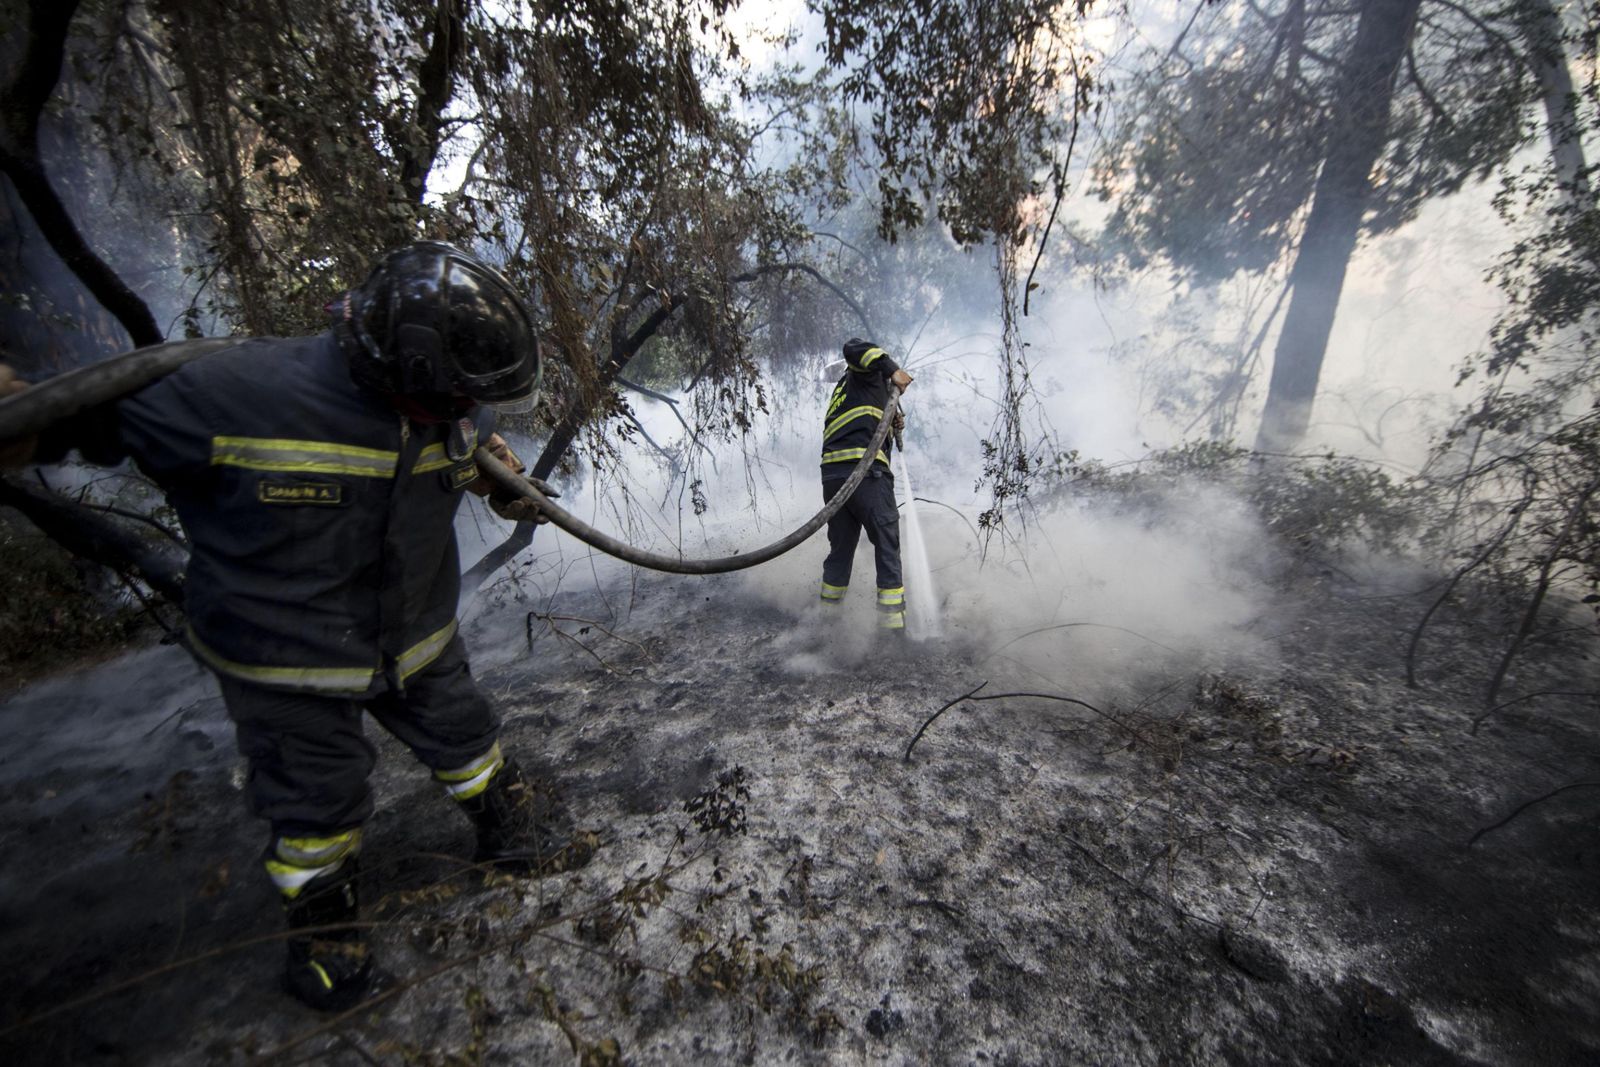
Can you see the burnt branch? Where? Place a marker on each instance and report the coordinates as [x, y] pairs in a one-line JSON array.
[[88, 534], [1477, 722], [1547, 577], [971, 695], [1532, 803], [1450, 587]]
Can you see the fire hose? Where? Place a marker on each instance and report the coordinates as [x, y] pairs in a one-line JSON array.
[[64, 396]]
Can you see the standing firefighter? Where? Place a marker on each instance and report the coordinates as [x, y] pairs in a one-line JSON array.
[[318, 479], [854, 411]]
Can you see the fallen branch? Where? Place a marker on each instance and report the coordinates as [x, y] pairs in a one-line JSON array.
[[1002, 696], [1524, 807], [1531, 696]]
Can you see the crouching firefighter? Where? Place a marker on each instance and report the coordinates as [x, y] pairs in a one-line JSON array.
[[854, 411], [318, 479]]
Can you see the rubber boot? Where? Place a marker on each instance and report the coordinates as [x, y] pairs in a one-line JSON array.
[[330, 970], [521, 827]]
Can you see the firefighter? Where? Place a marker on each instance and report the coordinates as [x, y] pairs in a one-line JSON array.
[[318, 479], [854, 411]]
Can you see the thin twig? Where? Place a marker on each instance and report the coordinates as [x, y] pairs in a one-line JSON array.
[[923, 728], [1530, 696], [598, 626], [1524, 807], [563, 634], [1136, 887]]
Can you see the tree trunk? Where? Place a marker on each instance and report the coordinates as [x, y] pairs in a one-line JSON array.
[[23, 104], [1541, 28], [1337, 207], [436, 85]]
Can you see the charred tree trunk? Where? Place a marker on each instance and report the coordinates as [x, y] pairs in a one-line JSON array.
[[1338, 204]]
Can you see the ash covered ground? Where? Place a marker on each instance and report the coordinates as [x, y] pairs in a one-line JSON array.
[[1252, 848]]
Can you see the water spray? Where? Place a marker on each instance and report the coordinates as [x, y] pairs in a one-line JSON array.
[[921, 601]]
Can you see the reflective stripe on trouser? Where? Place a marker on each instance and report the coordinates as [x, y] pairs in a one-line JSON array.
[[833, 594], [294, 861], [892, 608], [470, 779], [326, 679]]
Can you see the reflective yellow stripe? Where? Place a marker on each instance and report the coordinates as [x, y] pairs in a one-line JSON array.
[[317, 851], [305, 457], [473, 769], [892, 596], [892, 621], [321, 973], [433, 458], [425, 651], [843, 454], [291, 878], [833, 592], [464, 783], [848, 417], [326, 679], [869, 357]]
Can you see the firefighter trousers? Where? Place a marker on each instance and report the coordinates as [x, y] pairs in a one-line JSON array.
[[309, 756], [872, 508]]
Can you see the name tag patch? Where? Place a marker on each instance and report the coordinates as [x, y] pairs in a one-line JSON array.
[[327, 494], [461, 477]]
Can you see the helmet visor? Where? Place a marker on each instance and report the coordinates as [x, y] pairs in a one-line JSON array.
[[490, 333]]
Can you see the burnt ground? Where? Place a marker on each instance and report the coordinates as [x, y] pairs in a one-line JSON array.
[[1259, 858]]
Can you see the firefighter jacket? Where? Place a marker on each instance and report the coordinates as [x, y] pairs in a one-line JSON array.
[[854, 411], [321, 521]]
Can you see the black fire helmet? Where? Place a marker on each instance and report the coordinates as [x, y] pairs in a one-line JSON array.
[[436, 324]]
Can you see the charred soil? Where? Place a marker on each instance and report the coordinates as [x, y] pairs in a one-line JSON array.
[[1259, 859]]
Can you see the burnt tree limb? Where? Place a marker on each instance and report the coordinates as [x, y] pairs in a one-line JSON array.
[[91, 535]]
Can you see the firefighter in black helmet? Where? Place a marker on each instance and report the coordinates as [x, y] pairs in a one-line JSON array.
[[318, 479]]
